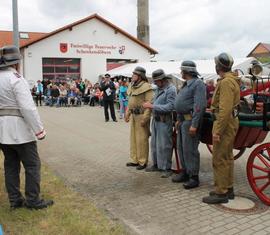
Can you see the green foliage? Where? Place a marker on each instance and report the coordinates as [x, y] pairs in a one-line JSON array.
[[264, 59]]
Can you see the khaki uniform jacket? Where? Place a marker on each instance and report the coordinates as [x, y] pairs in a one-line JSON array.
[[226, 97], [139, 94]]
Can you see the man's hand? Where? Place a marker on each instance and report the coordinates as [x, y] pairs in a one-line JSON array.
[[177, 124], [192, 131], [147, 105], [216, 138], [41, 135], [126, 119], [142, 123]]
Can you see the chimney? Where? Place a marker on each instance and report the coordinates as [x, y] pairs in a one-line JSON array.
[[143, 21]]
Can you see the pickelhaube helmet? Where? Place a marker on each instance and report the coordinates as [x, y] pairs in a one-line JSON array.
[[140, 71], [159, 74], [9, 55], [189, 66], [224, 60]]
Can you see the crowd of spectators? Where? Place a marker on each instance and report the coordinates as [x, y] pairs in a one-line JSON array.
[[68, 92]]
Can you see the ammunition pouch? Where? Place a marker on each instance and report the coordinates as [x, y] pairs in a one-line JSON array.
[[137, 111], [185, 117], [157, 118], [163, 117]]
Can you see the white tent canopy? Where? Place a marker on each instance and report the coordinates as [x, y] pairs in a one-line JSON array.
[[205, 67]]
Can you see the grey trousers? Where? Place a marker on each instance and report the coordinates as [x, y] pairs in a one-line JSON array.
[[162, 144], [28, 155], [188, 149]]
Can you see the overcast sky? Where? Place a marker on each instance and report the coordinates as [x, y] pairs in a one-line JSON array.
[[179, 29]]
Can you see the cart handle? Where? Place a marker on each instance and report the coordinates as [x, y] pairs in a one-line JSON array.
[[251, 123]]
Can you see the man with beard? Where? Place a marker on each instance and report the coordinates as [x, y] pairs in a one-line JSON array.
[[139, 92]]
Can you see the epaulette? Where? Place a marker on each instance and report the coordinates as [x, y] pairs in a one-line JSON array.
[[17, 75]]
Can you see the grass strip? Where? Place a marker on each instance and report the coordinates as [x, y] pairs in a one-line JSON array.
[[71, 214]]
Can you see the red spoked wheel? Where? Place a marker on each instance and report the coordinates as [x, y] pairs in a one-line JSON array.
[[236, 152], [258, 172]]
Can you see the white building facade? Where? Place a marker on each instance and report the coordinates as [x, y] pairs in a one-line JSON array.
[[85, 49]]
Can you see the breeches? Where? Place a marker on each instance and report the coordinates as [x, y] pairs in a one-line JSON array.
[[139, 140], [162, 144], [188, 149], [223, 162]]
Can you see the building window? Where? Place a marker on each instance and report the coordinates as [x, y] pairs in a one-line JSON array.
[[24, 36], [61, 68], [48, 69]]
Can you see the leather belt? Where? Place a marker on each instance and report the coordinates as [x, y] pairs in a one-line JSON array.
[[10, 112], [235, 114]]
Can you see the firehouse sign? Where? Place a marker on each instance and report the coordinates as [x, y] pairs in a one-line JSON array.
[[92, 48]]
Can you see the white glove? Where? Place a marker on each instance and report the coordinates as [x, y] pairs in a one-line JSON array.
[[41, 135]]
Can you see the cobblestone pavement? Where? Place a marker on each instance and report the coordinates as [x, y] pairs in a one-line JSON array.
[[91, 155]]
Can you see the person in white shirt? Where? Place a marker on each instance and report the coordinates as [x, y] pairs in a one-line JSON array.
[[20, 127]]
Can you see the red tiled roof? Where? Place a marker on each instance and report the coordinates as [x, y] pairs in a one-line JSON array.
[[94, 16], [265, 45], [6, 37]]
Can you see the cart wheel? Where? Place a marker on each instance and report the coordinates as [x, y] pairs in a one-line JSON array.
[[236, 152], [258, 172]]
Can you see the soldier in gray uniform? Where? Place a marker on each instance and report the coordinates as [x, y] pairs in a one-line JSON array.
[[162, 124], [20, 127], [190, 105]]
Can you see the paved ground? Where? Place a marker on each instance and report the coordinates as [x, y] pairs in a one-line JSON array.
[[91, 155]]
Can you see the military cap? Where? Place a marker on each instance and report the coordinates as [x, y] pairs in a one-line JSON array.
[[140, 71], [159, 74], [224, 60], [189, 66], [9, 55]]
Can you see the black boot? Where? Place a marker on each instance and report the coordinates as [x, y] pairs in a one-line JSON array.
[[132, 164], [18, 204], [141, 167], [230, 193], [181, 177], [166, 173], [192, 183], [41, 204], [152, 168], [216, 199]]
